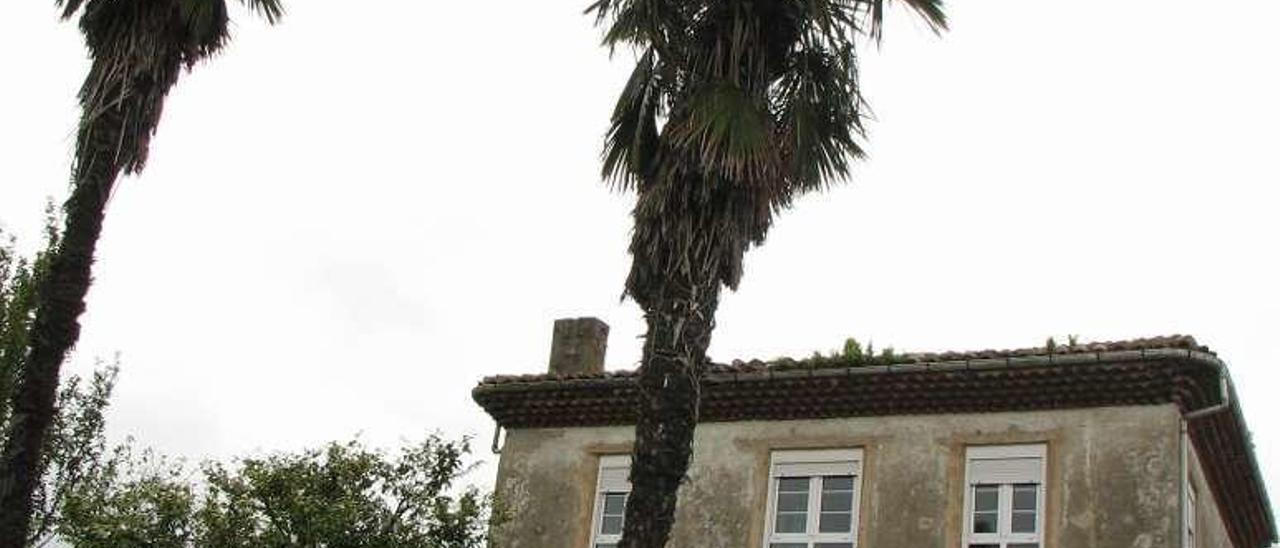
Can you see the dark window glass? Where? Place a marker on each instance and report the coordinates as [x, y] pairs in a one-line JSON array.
[[837, 505], [792, 505], [986, 508], [1024, 508], [615, 505]]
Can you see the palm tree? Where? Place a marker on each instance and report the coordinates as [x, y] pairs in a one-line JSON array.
[[138, 49], [734, 108]]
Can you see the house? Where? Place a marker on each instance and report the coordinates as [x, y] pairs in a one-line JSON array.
[[1127, 444]]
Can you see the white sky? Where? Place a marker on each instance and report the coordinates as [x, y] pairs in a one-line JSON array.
[[351, 218]]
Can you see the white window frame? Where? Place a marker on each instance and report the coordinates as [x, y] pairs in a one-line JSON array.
[[1005, 466], [813, 464], [611, 477]]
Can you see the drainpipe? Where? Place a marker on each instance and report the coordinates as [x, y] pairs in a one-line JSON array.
[[1183, 480], [497, 433]]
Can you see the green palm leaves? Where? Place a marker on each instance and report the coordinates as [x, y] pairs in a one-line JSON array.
[[761, 93]]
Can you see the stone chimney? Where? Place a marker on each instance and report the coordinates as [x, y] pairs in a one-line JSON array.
[[577, 346]]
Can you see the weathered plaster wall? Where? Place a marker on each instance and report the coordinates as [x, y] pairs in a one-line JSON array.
[[1112, 478], [1209, 525]]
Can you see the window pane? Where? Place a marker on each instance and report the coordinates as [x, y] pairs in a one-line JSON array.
[[793, 485], [837, 483], [986, 498], [611, 525], [837, 522], [1024, 545], [1023, 522], [790, 523], [615, 503], [1024, 496], [787, 545], [793, 505], [986, 508], [793, 502], [837, 502], [833, 545], [837, 494], [984, 546], [985, 522]]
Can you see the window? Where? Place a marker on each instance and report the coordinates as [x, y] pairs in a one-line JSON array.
[[813, 499], [612, 488], [1004, 496]]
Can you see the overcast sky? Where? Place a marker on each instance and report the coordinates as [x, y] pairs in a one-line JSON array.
[[351, 218]]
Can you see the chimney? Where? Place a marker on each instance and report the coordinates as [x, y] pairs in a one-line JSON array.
[[577, 346]]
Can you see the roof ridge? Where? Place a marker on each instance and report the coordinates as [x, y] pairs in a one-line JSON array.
[[1176, 341]]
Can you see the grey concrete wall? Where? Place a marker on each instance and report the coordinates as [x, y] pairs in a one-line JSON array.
[[1112, 478]]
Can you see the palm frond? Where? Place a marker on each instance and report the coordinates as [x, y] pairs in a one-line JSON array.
[[929, 10], [819, 106], [728, 131], [828, 19], [272, 10], [631, 22], [69, 7], [760, 93], [632, 140], [206, 24], [601, 9]]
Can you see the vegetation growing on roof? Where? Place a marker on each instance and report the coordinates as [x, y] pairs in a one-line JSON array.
[[851, 354], [1073, 343]]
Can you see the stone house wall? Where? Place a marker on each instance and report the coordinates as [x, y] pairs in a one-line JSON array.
[[1112, 478]]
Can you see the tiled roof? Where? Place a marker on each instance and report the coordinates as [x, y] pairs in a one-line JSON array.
[[738, 366], [1151, 371]]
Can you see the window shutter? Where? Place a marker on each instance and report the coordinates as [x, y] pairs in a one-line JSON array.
[[802, 469], [1020, 470], [614, 473]]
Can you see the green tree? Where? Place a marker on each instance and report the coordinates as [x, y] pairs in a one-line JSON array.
[[131, 500], [343, 495], [734, 108], [76, 443], [138, 50]]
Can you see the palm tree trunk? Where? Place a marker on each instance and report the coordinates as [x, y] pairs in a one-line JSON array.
[[675, 355], [679, 331], [685, 246], [60, 293]]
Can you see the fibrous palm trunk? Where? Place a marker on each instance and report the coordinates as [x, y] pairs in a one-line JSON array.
[[61, 300], [688, 241], [679, 330]]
